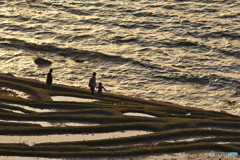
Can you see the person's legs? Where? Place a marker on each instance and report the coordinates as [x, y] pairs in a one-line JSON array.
[[92, 90], [49, 86]]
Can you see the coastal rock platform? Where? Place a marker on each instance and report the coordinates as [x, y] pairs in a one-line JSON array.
[[114, 125]]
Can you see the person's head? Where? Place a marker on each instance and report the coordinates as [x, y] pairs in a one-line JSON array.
[[100, 84], [94, 74], [50, 70]]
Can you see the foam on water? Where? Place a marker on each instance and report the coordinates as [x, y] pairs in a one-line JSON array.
[[186, 52]]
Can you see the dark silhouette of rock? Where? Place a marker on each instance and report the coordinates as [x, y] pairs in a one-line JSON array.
[[79, 60], [41, 61]]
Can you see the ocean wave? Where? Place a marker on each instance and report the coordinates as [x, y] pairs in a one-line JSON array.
[[201, 46], [124, 39], [45, 32], [72, 52], [229, 15], [68, 9], [179, 43], [77, 11], [209, 79], [72, 38], [151, 14], [145, 14], [19, 28], [8, 16], [220, 34]]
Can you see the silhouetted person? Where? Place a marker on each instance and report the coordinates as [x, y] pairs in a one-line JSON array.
[[100, 87], [92, 83], [49, 78]]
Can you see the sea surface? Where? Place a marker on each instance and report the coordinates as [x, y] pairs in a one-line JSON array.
[[181, 51]]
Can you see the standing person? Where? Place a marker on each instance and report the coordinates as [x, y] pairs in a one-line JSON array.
[[100, 87], [92, 83], [49, 78]]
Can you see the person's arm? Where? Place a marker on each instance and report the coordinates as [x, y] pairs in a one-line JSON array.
[[89, 83], [94, 83]]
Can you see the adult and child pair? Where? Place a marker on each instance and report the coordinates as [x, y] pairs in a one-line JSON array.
[[92, 83]]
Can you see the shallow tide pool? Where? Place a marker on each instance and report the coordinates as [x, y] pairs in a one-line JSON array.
[[138, 114], [29, 108], [31, 140], [72, 99], [53, 124]]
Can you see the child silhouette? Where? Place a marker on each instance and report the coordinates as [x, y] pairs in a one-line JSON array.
[[100, 87]]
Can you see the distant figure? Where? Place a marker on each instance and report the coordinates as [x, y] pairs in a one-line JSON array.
[[49, 78], [92, 83], [100, 87]]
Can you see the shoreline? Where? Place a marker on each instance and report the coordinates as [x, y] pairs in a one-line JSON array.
[[40, 84]]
